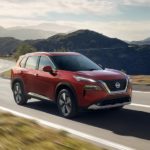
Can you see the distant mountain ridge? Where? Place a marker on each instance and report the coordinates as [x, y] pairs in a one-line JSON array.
[[22, 33], [8, 45], [142, 42], [40, 31]]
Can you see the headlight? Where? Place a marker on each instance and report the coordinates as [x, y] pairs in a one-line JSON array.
[[92, 87], [79, 78]]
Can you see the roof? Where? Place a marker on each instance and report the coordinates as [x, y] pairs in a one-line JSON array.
[[53, 53]]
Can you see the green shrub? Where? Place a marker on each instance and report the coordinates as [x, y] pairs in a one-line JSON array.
[[23, 49]]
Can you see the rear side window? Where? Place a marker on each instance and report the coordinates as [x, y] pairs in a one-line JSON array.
[[32, 62], [45, 61], [22, 63]]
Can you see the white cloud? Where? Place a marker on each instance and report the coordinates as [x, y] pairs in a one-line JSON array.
[[9, 22], [137, 2], [19, 8], [26, 12]]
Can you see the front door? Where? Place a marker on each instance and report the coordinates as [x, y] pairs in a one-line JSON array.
[[44, 81]]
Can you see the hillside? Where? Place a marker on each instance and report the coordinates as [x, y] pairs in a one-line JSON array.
[[132, 60], [8, 45]]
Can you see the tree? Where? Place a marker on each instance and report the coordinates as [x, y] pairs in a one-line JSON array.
[[23, 49]]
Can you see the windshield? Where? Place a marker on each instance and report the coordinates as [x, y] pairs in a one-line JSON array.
[[74, 63]]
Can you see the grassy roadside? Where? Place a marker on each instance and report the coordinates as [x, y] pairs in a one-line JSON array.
[[22, 134], [6, 74], [141, 79]]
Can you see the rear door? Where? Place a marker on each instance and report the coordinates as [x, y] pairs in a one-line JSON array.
[[30, 73]]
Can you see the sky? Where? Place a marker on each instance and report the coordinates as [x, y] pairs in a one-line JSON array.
[[125, 19]]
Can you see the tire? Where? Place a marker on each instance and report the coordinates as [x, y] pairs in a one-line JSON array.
[[66, 103], [19, 95]]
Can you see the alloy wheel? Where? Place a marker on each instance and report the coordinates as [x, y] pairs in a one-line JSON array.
[[18, 92], [65, 104]]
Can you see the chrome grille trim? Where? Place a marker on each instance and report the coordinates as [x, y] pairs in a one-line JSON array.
[[114, 92]]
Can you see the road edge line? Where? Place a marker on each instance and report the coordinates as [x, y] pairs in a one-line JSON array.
[[140, 105], [141, 91]]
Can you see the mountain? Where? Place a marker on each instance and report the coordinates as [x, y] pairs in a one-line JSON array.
[[109, 52], [142, 42], [8, 45], [81, 39], [23, 33]]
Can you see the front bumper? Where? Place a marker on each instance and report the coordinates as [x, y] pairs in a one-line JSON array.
[[87, 98], [111, 103]]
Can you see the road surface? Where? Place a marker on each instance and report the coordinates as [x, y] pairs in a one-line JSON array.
[[129, 127]]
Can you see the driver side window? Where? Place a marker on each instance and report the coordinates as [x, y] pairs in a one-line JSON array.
[[45, 61]]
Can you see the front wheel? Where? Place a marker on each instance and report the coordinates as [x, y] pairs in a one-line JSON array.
[[19, 94], [66, 103]]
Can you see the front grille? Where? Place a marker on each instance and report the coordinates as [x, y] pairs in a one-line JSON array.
[[114, 101], [116, 85]]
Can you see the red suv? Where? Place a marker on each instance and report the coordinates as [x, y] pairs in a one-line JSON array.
[[71, 80]]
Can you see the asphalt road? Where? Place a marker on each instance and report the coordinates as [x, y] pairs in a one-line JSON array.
[[129, 127]]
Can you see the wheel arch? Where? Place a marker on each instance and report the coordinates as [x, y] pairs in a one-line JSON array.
[[65, 85]]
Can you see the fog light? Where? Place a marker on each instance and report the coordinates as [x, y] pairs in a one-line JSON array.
[[92, 87]]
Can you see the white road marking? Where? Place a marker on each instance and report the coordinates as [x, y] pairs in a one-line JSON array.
[[72, 131], [141, 92], [140, 105]]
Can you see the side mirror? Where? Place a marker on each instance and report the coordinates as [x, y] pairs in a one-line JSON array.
[[49, 69]]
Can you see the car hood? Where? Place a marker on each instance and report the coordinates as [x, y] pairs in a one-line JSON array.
[[107, 74]]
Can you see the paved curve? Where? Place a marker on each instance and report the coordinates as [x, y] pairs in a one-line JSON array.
[[129, 127]]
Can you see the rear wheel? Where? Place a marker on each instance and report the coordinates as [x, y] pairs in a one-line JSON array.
[[66, 103], [19, 95]]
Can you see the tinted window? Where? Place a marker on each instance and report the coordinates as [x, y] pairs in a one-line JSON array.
[[74, 63], [45, 61], [32, 62], [22, 63]]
